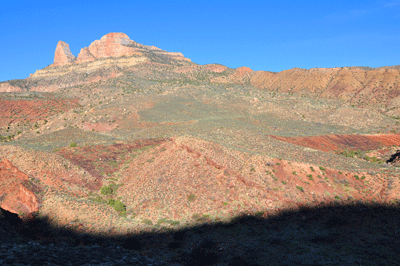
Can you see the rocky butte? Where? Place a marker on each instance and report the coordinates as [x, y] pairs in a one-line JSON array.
[[114, 45], [101, 60]]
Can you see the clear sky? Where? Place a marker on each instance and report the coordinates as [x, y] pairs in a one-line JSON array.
[[262, 35]]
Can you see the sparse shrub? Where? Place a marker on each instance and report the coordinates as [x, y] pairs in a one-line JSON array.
[[147, 221], [259, 214], [300, 188], [312, 168], [283, 182], [356, 177], [321, 168], [278, 163], [105, 190], [98, 199], [171, 222], [162, 220], [310, 177], [191, 197], [363, 177], [119, 206], [294, 173], [72, 144]]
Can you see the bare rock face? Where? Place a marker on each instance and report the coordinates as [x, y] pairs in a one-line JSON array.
[[15, 197], [114, 44], [6, 87], [85, 56], [63, 55]]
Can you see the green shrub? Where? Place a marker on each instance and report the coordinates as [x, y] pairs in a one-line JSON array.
[[117, 205], [259, 214], [162, 220], [105, 190], [310, 177], [356, 177], [147, 221], [312, 168], [72, 144], [191, 197], [321, 168], [300, 188]]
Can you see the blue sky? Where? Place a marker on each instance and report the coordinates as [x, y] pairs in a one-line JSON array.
[[262, 35]]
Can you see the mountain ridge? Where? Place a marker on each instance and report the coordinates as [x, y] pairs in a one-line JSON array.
[[115, 53]]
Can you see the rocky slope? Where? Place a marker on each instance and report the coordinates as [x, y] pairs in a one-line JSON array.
[[378, 87]]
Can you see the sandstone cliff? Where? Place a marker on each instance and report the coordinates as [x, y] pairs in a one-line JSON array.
[[114, 45], [14, 195]]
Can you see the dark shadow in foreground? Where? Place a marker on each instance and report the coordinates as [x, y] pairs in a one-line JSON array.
[[348, 234]]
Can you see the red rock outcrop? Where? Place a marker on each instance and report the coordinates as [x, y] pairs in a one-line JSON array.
[[14, 195], [85, 56], [114, 44], [63, 55], [215, 68], [6, 87]]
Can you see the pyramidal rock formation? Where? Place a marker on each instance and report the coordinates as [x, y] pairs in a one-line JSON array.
[[63, 55]]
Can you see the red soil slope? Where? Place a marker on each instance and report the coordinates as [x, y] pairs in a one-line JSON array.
[[14, 111], [344, 142]]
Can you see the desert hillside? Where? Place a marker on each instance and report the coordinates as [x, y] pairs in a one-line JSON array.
[[127, 138]]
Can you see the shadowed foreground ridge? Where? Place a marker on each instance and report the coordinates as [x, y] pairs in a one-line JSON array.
[[336, 234]]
